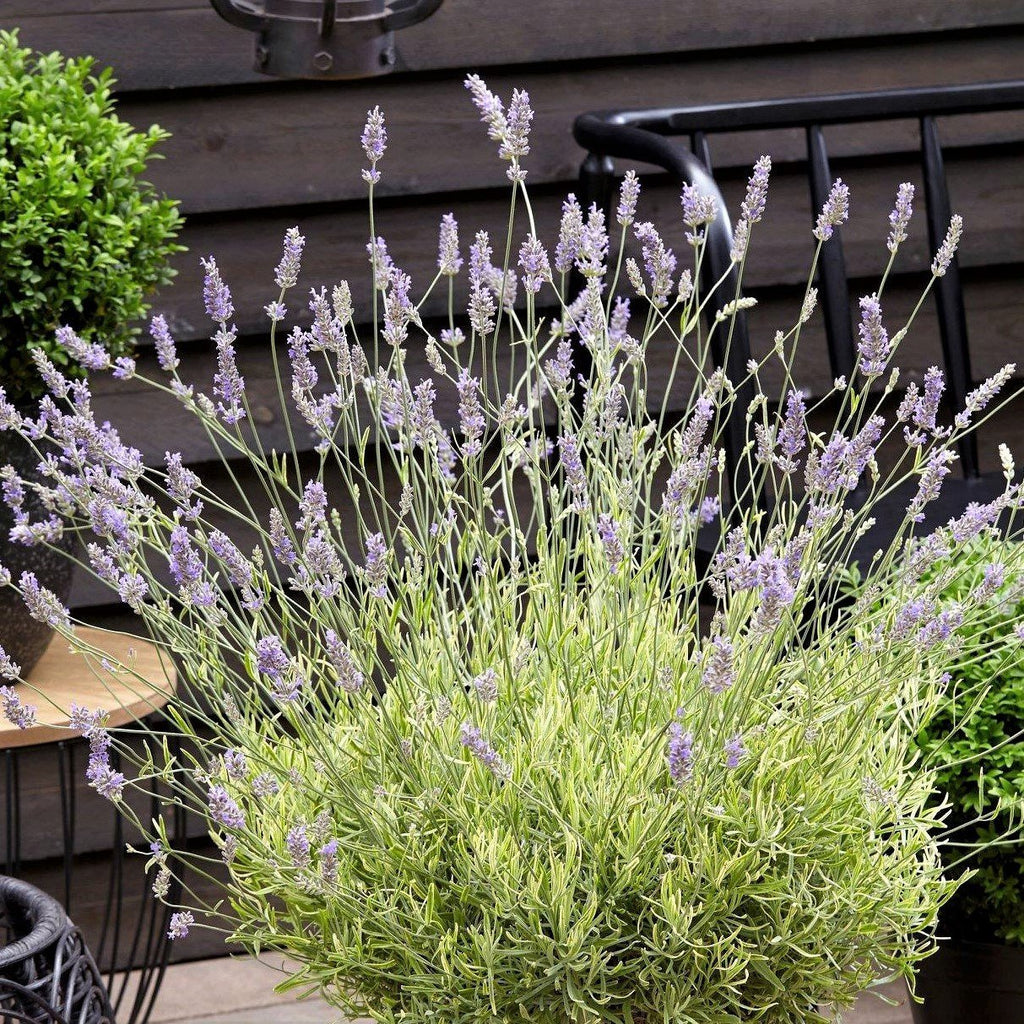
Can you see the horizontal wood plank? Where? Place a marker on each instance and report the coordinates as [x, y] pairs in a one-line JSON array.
[[294, 145], [989, 192], [185, 43]]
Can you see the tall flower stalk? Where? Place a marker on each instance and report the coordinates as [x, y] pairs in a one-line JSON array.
[[462, 732]]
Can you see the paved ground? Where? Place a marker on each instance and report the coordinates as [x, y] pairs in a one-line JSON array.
[[241, 992]]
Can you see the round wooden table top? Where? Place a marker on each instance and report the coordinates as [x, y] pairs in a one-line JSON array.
[[64, 676]]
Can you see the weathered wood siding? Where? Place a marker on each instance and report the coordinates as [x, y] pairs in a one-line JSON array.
[[251, 156]]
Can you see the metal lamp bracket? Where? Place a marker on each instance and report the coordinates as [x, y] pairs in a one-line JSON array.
[[329, 39]]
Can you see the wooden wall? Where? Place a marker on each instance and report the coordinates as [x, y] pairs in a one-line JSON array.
[[251, 156]]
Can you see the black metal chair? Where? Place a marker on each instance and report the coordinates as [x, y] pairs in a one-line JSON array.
[[47, 975], [653, 136]]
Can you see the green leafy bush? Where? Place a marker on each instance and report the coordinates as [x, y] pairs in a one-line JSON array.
[[82, 239], [974, 742]]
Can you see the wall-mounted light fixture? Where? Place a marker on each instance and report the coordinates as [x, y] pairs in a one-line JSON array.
[[325, 38]]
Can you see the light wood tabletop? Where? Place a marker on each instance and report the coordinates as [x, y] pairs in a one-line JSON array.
[[64, 676]]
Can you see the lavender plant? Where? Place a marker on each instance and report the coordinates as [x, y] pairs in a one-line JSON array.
[[483, 761]]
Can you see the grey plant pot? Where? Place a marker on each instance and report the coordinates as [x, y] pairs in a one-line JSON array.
[[21, 636]]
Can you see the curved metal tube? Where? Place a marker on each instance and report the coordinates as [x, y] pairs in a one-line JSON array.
[[234, 16], [410, 13]]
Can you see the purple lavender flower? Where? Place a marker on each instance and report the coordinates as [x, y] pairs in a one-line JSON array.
[[89, 355], [380, 261], [228, 383], [374, 141], [936, 469], [698, 211], [900, 216], [235, 764], [793, 434], [286, 275], [222, 808], [271, 658], [486, 686], [284, 550], [449, 262], [88, 723], [375, 571], [926, 408], [993, 578], [43, 605], [572, 465], [516, 142], [752, 209], [297, 844], [570, 235], [533, 258], [835, 211], [179, 924], [629, 193], [841, 464], [17, 713], [874, 347], [679, 754], [946, 251], [979, 398], [611, 541], [719, 673], [471, 414], [475, 743], [350, 679], [939, 629], [9, 669], [99, 772], [735, 751], [659, 262], [328, 857], [124, 368], [321, 569], [313, 506], [265, 784], [183, 561], [181, 485], [166, 352], [239, 569], [593, 250], [216, 295]]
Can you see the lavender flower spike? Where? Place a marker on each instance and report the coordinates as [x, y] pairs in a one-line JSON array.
[[734, 751], [287, 273], [679, 754], [179, 924], [17, 713], [900, 216], [449, 262], [166, 353], [835, 211], [374, 141], [9, 669], [874, 347], [216, 295], [757, 191], [475, 743], [946, 252], [629, 193]]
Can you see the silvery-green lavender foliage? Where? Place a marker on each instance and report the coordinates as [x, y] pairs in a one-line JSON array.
[[483, 762]]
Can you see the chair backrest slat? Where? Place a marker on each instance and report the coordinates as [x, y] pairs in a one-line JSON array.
[[832, 285], [948, 289]]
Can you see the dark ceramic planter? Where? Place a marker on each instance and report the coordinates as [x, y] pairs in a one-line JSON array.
[[21, 636], [971, 983]]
